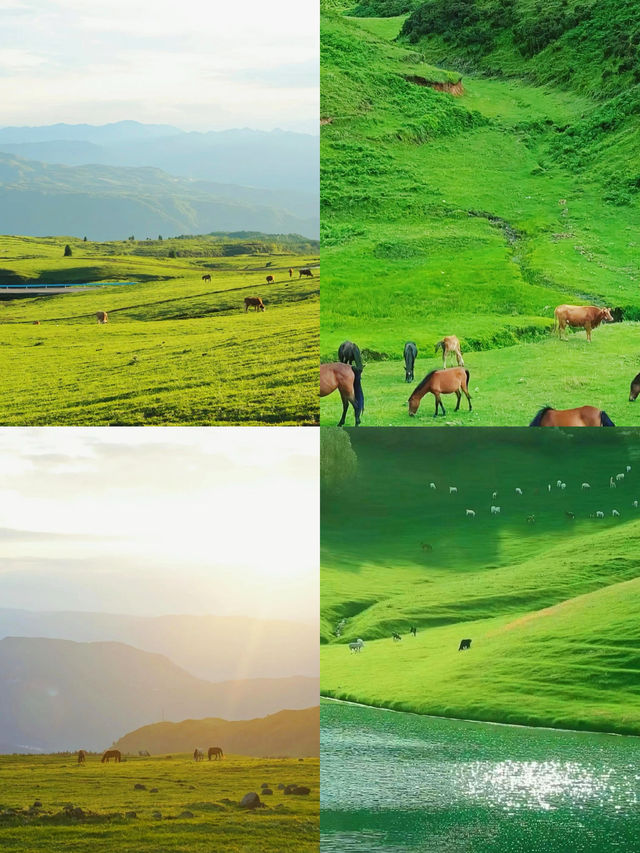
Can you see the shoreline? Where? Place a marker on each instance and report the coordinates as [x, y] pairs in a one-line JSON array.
[[467, 720]]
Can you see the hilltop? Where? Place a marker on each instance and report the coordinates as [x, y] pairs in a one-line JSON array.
[[468, 197], [550, 601], [287, 734], [58, 694]]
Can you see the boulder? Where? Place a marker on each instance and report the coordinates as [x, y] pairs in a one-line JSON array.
[[250, 801]]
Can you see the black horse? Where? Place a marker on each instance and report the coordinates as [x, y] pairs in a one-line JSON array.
[[349, 353], [410, 355], [464, 644]]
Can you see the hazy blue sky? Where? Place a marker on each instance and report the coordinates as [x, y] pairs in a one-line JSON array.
[[198, 65], [160, 520]]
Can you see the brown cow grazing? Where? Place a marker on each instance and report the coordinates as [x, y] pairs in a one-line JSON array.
[[254, 302], [36, 322], [216, 751], [450, 344], [586, 317], [270, 279], [82, 756], [306, 272], [452, 380], [102, 317], [112, 753], [290, 272]]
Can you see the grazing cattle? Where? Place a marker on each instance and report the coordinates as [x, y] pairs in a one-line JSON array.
[[306, 272], [216, 751], [36, 322], [584, 416], [586, 317], [585, 486], [426, 547], [270, 279], [570, 516], [470, 513], [290, 272], [453, 490], [518, 491], [452, 380], [410, 355], [531, 519], [464, 644], [206, 277], [357, 646], [615, 513], [599, 514], [102, 317], [432, 485], [253, 302], [337, 376], [82, 756], [450, 344], [495, 510], [619, 477], [111, 753], [396, 637]]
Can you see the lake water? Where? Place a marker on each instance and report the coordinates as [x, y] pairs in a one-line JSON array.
[[401, 783]]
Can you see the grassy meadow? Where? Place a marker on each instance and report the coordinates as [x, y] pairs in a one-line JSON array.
[[194, 809], [475, 216], [551, 602], [176, 349]]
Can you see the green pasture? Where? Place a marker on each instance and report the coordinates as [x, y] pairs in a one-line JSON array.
[[550, 601], [176, 349], [197, 804], [472, 216]]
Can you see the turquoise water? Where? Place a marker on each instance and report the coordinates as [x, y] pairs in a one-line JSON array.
[[401, 783]]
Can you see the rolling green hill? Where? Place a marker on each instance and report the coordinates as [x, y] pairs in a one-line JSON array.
[[550, 601], [176, 349], [476, 214], [286, 734]]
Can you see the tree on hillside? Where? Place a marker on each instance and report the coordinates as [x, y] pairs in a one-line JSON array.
[[67, 251], [172, 253], [84, 239]]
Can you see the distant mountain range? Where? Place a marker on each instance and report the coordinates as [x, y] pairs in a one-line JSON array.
[[216, 648], [278, 160], [287, 734], [57, 695], [112, 203]]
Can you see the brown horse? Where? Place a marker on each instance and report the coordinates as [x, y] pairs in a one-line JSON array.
[[587, 416], [450, 344], [112, 753], [290, 272], [82, 756], [216, 751], [102, 317], [345, 379], [451, 380]]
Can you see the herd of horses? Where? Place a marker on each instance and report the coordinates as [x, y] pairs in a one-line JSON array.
[[345, 375], [108, 755]]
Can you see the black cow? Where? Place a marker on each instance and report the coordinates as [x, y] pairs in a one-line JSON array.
[[464, 644], [306, 272]]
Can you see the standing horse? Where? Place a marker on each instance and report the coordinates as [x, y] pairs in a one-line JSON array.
[[82, 756], [216, 751], [345, 379], [349, 353], [450, 344], [410, 355], [112, 753], [206, 277], [357, 646], [270, 279], [451, 380], [198, 754], [587, 416], [290, 272]]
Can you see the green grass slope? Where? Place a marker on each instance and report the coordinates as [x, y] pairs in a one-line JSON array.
[[194, 808], [176, 350], [473, 215], [551, 605]]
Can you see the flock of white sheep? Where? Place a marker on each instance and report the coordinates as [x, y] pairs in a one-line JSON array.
[[614, 481]]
